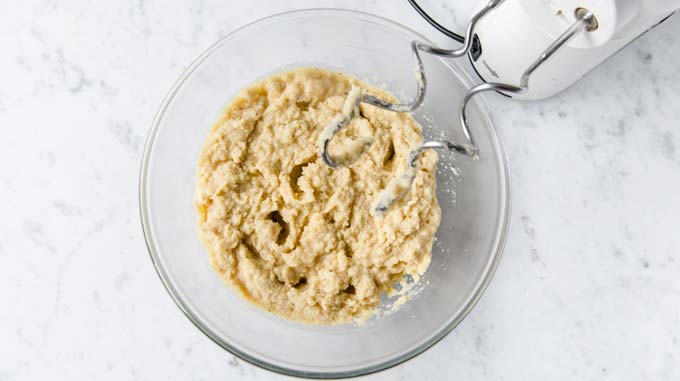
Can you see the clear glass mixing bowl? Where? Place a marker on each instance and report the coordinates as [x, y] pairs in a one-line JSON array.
[[475, 205]]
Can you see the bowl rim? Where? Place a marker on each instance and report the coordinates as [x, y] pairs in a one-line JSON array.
[[473, 298]]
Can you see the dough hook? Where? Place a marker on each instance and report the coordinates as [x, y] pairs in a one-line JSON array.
[[401, 184]]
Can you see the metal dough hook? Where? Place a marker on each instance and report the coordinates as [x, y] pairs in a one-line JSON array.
[[400, 185]]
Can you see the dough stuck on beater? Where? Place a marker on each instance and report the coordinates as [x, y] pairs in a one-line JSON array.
[[350, 152], [395, 190], [289, 233]]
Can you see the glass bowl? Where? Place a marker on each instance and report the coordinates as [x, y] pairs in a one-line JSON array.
[[473, 194]]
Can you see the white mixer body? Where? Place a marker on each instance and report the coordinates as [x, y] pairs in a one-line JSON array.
[[514, 34]]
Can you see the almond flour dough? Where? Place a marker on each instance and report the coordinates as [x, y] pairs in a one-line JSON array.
[[294, 236]]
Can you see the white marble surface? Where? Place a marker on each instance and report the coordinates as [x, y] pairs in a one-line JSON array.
[[589, 287]]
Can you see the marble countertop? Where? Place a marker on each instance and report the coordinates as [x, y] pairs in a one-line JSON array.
[[589, 286]]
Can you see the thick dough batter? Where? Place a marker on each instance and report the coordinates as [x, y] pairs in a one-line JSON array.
[[293, 235]]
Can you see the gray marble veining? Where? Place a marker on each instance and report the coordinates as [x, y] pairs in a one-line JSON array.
[[589, 286]]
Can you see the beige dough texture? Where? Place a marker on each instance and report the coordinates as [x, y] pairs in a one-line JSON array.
[[294, 236]]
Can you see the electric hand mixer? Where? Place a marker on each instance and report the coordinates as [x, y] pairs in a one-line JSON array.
[[508, 43]]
